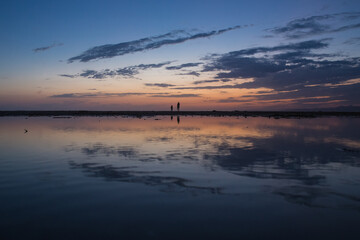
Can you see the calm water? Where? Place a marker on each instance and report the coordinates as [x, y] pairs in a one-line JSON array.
[[157, 178]]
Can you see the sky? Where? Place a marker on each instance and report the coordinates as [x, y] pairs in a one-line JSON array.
[[207, 55]]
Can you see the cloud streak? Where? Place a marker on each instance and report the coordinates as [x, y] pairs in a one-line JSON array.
[[315, 25], [98, 94], [185, 65], [144, 44], [299, 47], [210, 81], [41, 49], [123, 94], [162, 85], [175, 95], [354, 40], [126, 72]]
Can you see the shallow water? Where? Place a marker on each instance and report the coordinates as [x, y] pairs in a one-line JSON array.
[[163, 178]]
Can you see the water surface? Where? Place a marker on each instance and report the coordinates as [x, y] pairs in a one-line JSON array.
[[179, 178]]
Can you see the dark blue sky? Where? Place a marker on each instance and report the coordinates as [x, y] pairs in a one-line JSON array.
[[208, 54]]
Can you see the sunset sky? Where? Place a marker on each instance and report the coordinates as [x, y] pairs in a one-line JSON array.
[[147, 55]]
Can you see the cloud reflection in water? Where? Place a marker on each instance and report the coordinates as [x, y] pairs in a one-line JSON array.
[[292, 158]]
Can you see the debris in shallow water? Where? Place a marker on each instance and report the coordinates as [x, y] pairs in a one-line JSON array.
[[350, 150], [61, 117], [25, 130]]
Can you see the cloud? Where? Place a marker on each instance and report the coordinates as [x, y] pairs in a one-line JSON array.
[[41, 49], [231, 86], [98, 94], [210, 81], [127, 72], [123, 94], [205, 81], [234, 100], [292, 99], [299, 47], [163, 85], [185, 65], [315, 25], [67, 75], [149, 43], [191, 73], [291, 71], [305, 96], [175, 95], [354, 40], [248, 63], [344, 28]]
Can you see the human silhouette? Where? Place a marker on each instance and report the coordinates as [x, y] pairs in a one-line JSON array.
[[178, 106], [171, 107]]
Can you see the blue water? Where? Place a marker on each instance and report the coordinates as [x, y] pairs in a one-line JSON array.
[[188, 178]]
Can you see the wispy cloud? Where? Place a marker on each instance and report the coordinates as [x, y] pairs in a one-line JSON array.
[[315, 25], [174, 37], [276, 98], [98, 94], [299, 47], [191, 73], [175, 95], [162, 85], [122, 94], [41, 49], [211, 81], [67, 75], [127, 72], [205, 81], [354, 40], [228, 86], [185, 65]]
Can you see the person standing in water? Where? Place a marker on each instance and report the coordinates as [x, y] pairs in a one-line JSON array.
[[178, 106], [171, 107]]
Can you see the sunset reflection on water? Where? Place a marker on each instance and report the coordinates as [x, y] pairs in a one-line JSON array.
[[239, 169]]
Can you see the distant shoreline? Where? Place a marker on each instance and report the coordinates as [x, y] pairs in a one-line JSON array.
[[139, 114]]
